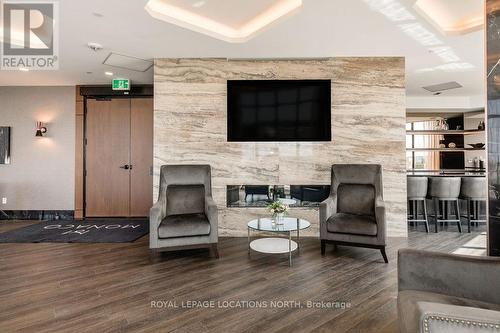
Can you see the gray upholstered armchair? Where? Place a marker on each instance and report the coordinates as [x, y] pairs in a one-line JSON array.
[[354, 213], [447, 293], [185, 215]]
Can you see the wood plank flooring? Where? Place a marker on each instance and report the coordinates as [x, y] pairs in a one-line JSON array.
[[111, 287]]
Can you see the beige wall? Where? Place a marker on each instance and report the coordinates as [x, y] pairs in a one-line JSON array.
[[368, 126], [41, 173]]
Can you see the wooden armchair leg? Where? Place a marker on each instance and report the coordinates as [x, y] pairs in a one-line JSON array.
[[323, 247], [382, 250]]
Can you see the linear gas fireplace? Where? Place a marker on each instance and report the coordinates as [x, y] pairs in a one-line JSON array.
[[262, 195]]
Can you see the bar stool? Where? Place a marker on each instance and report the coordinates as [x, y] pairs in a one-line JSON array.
[[445, 190], [473, 190], [416, 192]]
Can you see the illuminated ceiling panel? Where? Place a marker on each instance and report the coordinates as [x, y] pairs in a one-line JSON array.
[[229, 20]]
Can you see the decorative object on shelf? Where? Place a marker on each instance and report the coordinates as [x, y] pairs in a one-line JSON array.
[[481, 126], [476, 145], [459, 127], [4, 145], [278, 210], [476, 163], [442, 144], [452, 145], [40, 129], [442, 125]]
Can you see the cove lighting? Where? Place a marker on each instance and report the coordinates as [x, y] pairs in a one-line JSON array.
[[452, 17], [165, 11]]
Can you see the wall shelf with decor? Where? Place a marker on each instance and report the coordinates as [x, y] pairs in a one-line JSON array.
[[446, 141]]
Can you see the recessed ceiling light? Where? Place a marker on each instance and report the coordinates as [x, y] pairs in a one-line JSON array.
[[96, 14], [109, 73], [88, 73], [24, 69]]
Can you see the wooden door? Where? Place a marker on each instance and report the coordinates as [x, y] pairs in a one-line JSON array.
[[141, 156], [107, 183]]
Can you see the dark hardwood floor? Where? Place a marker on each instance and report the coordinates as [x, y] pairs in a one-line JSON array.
[[111, 287]]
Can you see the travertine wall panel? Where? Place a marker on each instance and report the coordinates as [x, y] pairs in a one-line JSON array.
[[368, 126]]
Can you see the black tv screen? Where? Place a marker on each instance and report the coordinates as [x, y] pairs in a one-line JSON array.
[[279, 110]]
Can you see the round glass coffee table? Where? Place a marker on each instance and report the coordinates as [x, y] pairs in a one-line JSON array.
[[276, 245]]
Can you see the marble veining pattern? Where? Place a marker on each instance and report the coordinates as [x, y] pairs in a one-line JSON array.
[[368, 126]]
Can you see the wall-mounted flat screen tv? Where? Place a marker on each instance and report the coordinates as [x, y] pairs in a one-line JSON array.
[[279, 110]]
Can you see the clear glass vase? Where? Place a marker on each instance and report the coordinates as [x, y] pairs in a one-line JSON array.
[[279, 218]]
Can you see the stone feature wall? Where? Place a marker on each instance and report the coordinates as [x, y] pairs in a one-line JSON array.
[[368, 126]]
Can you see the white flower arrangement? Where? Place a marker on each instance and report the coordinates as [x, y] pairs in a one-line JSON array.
[[277, 207]]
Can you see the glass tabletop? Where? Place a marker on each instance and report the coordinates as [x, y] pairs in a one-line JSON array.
[[288, 224]]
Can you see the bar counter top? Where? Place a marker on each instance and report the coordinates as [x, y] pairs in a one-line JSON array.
[[447, 173]]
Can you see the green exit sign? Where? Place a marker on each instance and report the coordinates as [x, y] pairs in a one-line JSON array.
[[121, 84]]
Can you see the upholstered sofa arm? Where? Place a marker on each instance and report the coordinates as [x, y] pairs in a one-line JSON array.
[[455, 275], [327, 208], [212, 214]]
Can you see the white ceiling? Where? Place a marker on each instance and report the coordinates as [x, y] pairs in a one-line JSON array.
[[322, 28]]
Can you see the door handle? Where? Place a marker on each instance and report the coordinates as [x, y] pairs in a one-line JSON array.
[[126, 167]]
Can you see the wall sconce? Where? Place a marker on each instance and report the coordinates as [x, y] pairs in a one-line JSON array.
[[40, 129]]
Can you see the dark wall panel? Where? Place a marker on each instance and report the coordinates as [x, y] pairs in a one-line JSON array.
[[493, 122]]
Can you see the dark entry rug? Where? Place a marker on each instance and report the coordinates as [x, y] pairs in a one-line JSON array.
[[85, 231]]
